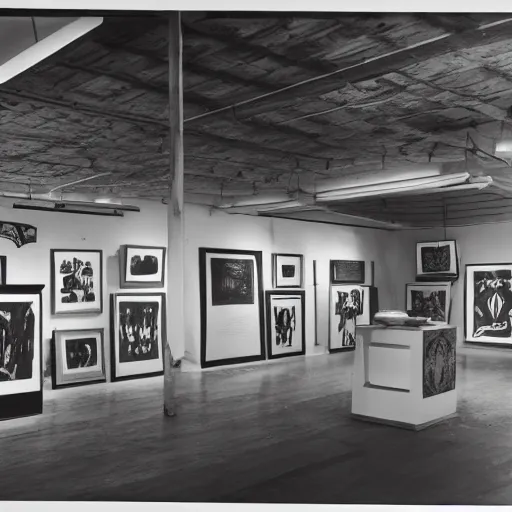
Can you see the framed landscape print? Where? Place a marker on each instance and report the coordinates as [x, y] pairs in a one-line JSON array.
[[77, 357], [21, 392], [142, 266], [437, 260], [286, 331], [488, 303], [232, 314], [137, 335], [287, 270], [430, 300], [76, 278]]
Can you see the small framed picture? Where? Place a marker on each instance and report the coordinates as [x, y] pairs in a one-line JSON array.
[[437, 260], [77, 357], [347, 271], [142, 266], [287, 270], [430, 300]]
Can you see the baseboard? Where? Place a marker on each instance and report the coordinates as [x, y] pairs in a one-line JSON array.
[[401, 424]]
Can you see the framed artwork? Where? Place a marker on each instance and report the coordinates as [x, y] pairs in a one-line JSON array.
[[370, 305], [21, 375], [137, 335], [437, 260], [347, 271], [3, 270], [439, 361], [488, 303], [142, 266], [286, 330], [77, 281], [287, 270], [77, 357], [430, 300], [232, 314]]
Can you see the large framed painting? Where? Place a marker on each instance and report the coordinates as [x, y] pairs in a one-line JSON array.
[[21, 375], [77, 281], [437, 260], [137, 335], [77, 357], [286, 330], [488, 303], [439, 361], [142, 266], [232, 314], [287, 270], [430, 300]]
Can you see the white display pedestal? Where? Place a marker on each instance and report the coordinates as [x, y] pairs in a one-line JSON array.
[[404, 376]]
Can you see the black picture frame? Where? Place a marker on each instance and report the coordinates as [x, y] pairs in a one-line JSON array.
[[53, 291], [268, 304], [18, 405], [123, 262], [3, 270], [53, 356], [358, 279], [446, 276], [203, 251], [163, 329], [275, 257]]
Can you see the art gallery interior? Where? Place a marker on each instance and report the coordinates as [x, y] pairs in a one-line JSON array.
[[256, 257]]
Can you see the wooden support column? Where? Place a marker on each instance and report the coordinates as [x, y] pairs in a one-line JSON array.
[[175, 347]]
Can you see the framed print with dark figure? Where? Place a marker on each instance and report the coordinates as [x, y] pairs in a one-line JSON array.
[[286, 330], [77, 357], [437, 261], [77, 281], [429, 300], [287, 270], [488, 304], [137, 335], [142, 266], [232, 313]]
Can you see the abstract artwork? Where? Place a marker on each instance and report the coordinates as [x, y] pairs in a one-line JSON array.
[[347, 304], [137, 338], [142, 266], [436, 260], [439, 361], [19, 234], [488, 305], [347, 271], [232, 281], [287, 270], [430, 300], [76, 281], [77, 357], [285, 323]]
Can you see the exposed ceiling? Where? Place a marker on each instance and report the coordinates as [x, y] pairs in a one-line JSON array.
[[271, 103]]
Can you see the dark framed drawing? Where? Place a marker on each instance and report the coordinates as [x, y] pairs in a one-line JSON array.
[[488, 304], [287, 270], [77, 281], [138, 335], [437, 260], [370, 305], [78, 357], [142, 266], [232, 313], [3, 270], [286, 330], [430, 300], [439, 361], [347, 271], [21, 373]]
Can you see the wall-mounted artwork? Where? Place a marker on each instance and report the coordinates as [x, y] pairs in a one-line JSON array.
[[77, 357], [3, 270], [439, 361], [437, 260], [232, 314], [19, 234], [370, 305], [77, 284], [488, 303], [286, 331], [347, 271], [430, 300], [137, 335], [20, 351], [142, 266], [287, 270]]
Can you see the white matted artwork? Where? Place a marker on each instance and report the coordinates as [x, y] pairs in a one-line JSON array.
[[287, 270], [231, 307], [142, 266], [429, 300]]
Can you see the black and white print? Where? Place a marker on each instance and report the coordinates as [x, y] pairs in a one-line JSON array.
[[439, 361], [81, 353], [287, 270], [232, 281], [436, 259], [347, 304], [18, 234], [347, 271], [429, 300], [142, 266]]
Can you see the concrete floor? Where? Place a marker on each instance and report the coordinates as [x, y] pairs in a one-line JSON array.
[[273, 433]]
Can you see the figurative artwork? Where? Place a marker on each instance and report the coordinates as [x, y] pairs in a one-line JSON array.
[[137, 337], [436, 260], [439, 361], [287, 270], [76, 281], [19, 234], [285, 323], [429, 300], [347, 271], [347, 304], [489, 303], [142, 266], [77, 357], [232, 281]]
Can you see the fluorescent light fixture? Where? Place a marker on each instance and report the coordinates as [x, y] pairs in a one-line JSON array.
[[503, 149], [82, 207]]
